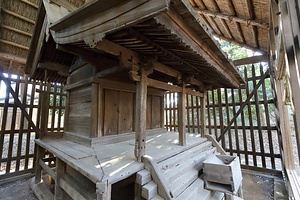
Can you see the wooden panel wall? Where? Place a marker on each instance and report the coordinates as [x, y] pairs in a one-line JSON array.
[[20, 106], [79, 120], [118, 112]]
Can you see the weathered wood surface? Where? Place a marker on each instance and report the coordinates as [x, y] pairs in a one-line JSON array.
[[108, 164]]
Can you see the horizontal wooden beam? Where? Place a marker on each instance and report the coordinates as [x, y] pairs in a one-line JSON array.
[[233, 18], [251, 60], [67, 5], [6, 56], [14, 44], [17, 16], [238, 43], [30, 4], [15, 30], [61, 69]]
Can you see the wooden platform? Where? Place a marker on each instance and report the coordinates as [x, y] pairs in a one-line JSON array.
[[114, 162]]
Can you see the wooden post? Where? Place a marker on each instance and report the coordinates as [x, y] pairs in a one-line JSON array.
[[203, 121], [140, 115], [38, 169], [60, 172], [181, 116], [285, 127]]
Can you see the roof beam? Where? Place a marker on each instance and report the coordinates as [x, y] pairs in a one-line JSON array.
[[14, 44], [233, 18], [16, 30], [6, 56], [30, 4], [251, 60], [70, 7], [17, 16]]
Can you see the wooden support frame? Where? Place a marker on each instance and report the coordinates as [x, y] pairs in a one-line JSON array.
[[233, 18], [203, 114], [140, 116], [181, 116], [266, 74]]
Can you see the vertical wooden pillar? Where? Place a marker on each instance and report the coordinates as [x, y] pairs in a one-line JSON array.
[[285, 127], [38, 169], [60, 172], [94, 107], [181, 116], [140, 115], [203, 121]]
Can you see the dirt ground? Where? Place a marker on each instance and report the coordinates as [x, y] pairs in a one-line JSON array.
[[255, 187]]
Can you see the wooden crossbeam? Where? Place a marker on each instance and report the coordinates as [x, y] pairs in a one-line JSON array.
[[17, 16], [6, 56], [251, 60], [265, 75], [233, 18], [70, 7], [15, 30], [13, 44], [30, 3]]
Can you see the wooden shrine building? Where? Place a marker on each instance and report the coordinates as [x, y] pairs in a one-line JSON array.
[[134, 96]]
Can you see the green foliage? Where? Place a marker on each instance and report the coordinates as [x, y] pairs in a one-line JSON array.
[[234, 52]]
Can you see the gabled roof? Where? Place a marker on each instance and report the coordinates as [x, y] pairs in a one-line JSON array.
[[164, 30]]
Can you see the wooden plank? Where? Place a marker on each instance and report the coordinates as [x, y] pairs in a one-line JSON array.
[[208, 113], [214, 113], [47, 169], [60, 173], [289, 162], [245, 141], [228, 120], [149, 112], [70, 7], [126, 112], [220, 109], [187, 102], [12, 127], [253, 143], [163, 188], [38, 168], [203, 115], [181, 103], [111, 106], [251, 60], [198, 110], [193, 115], [258, 120], [234, 18], [237, 139], [94, 110], [23, 91], [156, 112], [140, 116]]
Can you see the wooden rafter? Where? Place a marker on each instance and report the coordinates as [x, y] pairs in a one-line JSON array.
[[249, 9], [15, 30], [233, 18], [13, 44], [30, 4], [6, 56], [17, 16]]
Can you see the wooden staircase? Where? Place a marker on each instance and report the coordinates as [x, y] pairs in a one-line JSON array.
[[178, 176]]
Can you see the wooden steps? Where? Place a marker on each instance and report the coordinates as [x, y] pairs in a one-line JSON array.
[[181, 173]]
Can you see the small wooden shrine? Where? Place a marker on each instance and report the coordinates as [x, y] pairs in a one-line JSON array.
[[120, 58]]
